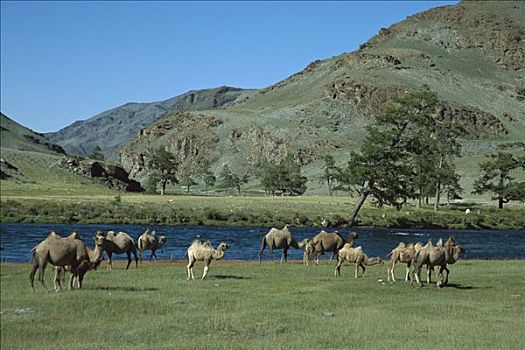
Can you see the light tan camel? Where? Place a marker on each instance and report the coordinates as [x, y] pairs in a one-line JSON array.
[[148, 240], [308, 247], [278, 239], [436, 256], [354, 255], [332, 242], [404, 254], [119, 243], [58, 251], [203, 251], [95, 257]]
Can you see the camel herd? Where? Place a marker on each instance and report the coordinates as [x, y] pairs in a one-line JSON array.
[[71, 254]]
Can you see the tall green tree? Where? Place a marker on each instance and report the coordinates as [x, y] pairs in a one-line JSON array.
[[496, 175], [400, 153], [209, 179], [284, 178], [164, 165], [329, 173]]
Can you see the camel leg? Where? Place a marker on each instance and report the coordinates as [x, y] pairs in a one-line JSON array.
[[407, 275], [134, 251], [270, 251], [58, 276], [41, 275], [391, 271], [447, 270], [317, 258], [110, 261], [32, 275], [206, 268], [284, 255], [337, 271], [191, 262]]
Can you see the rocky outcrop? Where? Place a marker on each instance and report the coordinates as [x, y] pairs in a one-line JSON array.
[[8, 170], [189, 136], [112, 176]]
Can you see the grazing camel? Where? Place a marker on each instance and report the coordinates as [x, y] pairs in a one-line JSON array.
[[119, 243], [149, 241], [402, 253], [59, 252], [354, 255], [325, 242], [204, 252], [95, 257], [278, 239], [436, 256]]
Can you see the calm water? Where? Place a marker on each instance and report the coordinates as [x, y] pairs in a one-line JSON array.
[[18, 239]]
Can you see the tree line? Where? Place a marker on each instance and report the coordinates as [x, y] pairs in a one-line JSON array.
[[408, 154]]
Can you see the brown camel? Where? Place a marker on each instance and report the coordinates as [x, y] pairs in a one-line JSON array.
[[436, 256], [119, 243], [95, 257], [354, 255], [58, 252], [402, 253], [203, 251], [148, 240], [325, 242], [278, 239], [308, 247]]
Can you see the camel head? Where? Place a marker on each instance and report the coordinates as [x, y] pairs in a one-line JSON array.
[[352, 236], [162, 240], [223, 246], [304, 243], [99, 234]]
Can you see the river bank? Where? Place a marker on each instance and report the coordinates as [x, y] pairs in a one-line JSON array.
[[248, 211]]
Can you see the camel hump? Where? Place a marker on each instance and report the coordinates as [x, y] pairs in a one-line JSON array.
[[358, 248], [401, 245], [439, 243]]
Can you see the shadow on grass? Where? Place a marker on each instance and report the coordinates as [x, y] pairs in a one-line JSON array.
[[125, 289], [230, 277], [460, 286]]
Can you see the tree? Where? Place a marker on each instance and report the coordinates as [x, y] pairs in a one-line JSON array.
[[329, 173], [97, 154], [496, 175], [164, 165], [400, 152], [209, 179], [285, 178]]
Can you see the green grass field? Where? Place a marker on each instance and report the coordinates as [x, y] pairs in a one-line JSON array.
[[250, 305]]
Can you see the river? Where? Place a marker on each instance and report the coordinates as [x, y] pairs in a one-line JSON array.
[[18, 239]]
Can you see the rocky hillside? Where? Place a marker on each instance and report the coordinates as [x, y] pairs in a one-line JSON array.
[[118, 126], [472, 54], [18, 137]]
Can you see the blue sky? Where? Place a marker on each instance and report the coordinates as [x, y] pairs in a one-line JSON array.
[[66, 61]]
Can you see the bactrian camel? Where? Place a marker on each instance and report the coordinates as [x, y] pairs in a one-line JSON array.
[[403, 254], [95, 257], [58, 251], [119, 243], [203, 251], [436, 256], [325, 242], [278, 239], [148, 240], [354, 255]]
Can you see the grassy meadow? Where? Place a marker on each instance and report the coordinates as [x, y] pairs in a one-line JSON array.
[[250, 305]]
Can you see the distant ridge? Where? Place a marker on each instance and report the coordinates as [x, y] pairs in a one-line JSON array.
[[116, 127]]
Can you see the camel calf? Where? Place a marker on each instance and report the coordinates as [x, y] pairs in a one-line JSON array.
[[354, 255]]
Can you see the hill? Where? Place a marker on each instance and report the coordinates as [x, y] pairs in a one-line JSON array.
[[472, 54], [117, 126], [18, 137]]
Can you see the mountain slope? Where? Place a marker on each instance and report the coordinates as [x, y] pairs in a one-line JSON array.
[[115, 127], [472, 54], [18, 137]]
